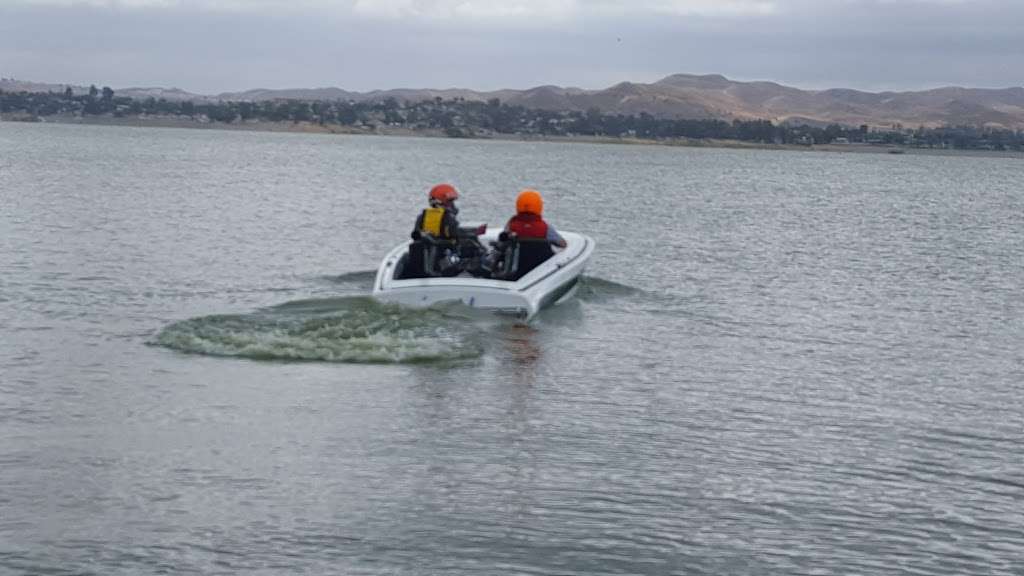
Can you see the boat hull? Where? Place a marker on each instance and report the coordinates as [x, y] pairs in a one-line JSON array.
[[541, 287]]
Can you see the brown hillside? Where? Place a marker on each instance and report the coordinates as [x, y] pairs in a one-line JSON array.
[[690, 96]]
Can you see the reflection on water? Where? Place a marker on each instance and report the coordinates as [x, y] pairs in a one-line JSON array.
[[519, 342]]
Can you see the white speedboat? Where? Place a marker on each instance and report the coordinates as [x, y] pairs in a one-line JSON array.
[[551, 281]]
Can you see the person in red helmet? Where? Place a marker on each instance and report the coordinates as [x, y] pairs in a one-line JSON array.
[[438, 219], [434, 250]]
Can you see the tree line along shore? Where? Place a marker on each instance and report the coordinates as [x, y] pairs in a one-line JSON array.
[[460, 118]]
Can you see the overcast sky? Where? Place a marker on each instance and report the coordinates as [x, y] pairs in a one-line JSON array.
[[210, 46]]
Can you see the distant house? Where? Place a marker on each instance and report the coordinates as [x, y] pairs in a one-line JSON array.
[[841, 140]]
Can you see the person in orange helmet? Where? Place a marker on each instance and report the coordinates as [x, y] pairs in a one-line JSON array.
[[528, 223], [532, 236]]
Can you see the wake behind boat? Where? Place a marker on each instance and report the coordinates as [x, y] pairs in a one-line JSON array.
[[550, 281]]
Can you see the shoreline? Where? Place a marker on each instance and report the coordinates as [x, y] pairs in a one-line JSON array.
[[311, 128]]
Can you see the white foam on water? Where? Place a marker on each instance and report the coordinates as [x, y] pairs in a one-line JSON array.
[[355, 330]]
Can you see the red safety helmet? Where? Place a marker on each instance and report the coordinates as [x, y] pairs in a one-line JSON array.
[[444, 193]]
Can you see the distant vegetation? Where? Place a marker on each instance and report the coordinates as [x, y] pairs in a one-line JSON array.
[[469, 118]]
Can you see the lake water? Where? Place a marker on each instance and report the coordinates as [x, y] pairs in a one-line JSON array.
[[778, 363]]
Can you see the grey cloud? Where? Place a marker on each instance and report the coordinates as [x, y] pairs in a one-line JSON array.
[[870, 44]]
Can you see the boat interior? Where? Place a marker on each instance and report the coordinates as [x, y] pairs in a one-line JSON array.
[[509, 258]]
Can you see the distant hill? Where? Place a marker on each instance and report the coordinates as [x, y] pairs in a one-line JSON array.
[[259, 94], [683, 96], [176, 94], [173, 94], [12, 85], [688, 96]]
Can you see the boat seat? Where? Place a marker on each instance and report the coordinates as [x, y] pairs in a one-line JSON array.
[[425, 254], [521, 256]]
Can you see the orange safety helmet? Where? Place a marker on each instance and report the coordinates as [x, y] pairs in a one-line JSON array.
[[443, 193], [530, 201]]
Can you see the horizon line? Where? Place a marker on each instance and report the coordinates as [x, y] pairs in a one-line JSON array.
[[533, 87]]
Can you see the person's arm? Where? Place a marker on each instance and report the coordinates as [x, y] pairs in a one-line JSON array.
[[419, 223], [452, 225], [555, 238]]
